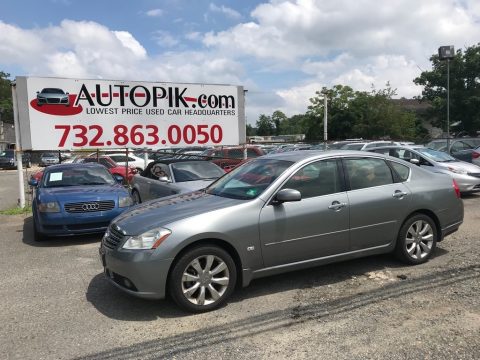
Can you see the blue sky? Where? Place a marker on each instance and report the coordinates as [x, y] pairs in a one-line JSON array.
[[282, 51]]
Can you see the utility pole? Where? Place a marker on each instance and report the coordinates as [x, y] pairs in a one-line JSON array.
[[325, 118]]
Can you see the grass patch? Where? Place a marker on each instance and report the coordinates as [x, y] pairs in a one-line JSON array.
[[17, 211]]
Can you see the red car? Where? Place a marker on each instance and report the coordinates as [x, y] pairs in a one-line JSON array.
[[228, 157], [113, 167]]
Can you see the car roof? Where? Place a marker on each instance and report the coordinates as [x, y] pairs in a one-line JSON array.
[[174, 160], [74, 165], [296, 156]]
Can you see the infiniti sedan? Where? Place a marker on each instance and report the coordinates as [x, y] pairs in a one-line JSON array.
[[72, 199], [274, 214]]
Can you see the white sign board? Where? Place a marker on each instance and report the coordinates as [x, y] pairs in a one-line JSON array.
[[56, 113]]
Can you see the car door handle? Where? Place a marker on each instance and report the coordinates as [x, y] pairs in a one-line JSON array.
[[337, 205], [399, 194]]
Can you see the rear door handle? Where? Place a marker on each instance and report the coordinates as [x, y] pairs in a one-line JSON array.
[[336, 205], [399, 194]]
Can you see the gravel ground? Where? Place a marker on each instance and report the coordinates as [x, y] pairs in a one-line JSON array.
[[57, 305]]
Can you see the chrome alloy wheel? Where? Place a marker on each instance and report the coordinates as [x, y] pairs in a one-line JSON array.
[[205, 280], [419, 239]]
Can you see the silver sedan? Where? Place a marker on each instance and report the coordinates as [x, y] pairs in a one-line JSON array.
[[276, 214], [466, 175]]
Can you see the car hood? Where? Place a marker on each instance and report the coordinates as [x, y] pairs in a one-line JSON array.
[[161, 212], [82, 193]]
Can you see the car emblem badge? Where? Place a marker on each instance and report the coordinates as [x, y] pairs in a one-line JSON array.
[[90, 207]]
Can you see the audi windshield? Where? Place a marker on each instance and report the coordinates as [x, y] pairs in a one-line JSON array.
[[78, 177]]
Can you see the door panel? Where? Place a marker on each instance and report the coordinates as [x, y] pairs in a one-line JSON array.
[[304, 230]]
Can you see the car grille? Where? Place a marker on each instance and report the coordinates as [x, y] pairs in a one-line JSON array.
[[53, 101], [113, 237], [91, 206], [474, 174]]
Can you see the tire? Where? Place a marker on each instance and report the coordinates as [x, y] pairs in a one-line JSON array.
[[416, 240], [37, 235], [136, 197], [202, 279]]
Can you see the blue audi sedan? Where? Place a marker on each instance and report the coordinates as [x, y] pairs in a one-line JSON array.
[[73, 199]]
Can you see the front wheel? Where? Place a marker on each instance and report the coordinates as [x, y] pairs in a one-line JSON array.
[[416, 240], [202, 279]]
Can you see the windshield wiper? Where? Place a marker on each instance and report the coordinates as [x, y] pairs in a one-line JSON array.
[[92, 183]]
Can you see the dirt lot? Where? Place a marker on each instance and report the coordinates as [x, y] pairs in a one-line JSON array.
[[56, 304]]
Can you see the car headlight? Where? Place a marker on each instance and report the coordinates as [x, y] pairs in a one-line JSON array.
[[49, 207], [458, 171], [124, 201], [148, 240]]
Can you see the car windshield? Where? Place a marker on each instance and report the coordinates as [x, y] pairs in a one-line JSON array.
[[196, 170], [77, 177], [49, 155], [352, 146], [436, 145], [6, 154], [249, 180], [52, 91], [438, 156]]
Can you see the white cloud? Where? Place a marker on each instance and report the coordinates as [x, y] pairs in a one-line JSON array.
[[165, 39], [229, 12], [154, 12]]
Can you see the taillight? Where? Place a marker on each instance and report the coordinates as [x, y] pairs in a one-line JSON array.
[[475, 155], [456, 188]]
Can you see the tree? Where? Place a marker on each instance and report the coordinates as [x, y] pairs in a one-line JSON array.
[[464, 89], [6, 107], [251, 131], [278, 118], [265, 126], [354, 114]]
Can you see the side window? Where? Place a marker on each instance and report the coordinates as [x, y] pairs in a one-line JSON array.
[[402, 170], [364, 173], [316, 179], [104, 162], [235, 154]]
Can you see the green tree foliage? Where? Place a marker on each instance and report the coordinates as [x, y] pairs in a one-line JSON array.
[[6, 107], [355, 114], [265, 126], [464, 89], [251, 131]]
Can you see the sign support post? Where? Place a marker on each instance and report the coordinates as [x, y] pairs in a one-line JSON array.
[[18, 148]]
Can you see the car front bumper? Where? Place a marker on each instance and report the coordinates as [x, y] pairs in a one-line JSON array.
[[136, 272], [467, 183], [65, 224]]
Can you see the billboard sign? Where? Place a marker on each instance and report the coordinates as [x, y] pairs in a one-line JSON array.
[[59, 113]]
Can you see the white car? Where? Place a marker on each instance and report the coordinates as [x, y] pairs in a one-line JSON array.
[[133, 160]]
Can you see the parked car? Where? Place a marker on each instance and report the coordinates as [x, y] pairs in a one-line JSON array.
[[174, 176], [52, 96], [8, 159], [275, 214], [465, 174], [365, 146], [133, 160], [459, 148], [72, 199], [48, 158], [228, 157], [114, 168]]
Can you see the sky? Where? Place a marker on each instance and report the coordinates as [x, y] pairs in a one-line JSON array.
[[281, 51]]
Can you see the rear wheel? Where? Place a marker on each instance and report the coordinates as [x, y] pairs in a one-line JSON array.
[[203, 278], [417, 239]]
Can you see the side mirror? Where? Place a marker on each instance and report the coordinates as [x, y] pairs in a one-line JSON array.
[[415, 162], [287, 195], [38, 92], [67, 93], [33, 182]]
